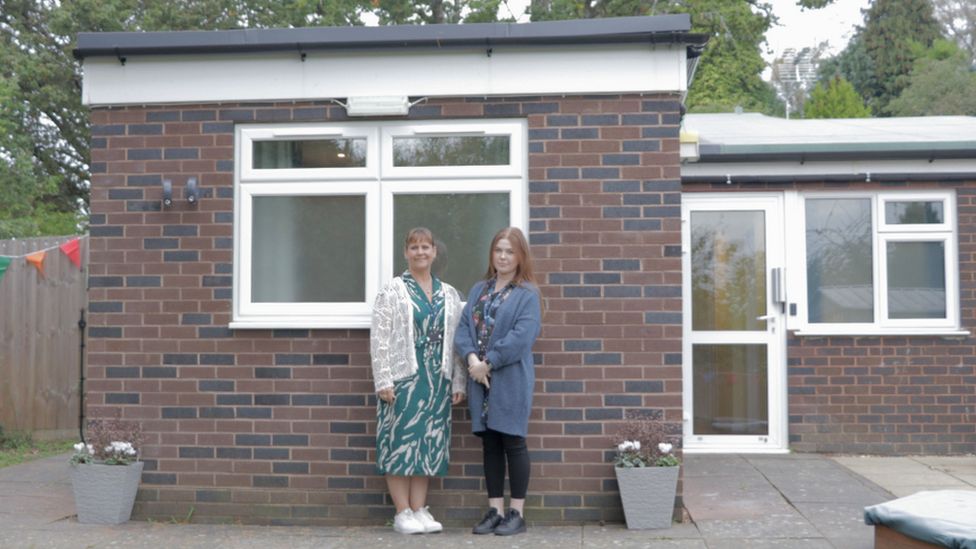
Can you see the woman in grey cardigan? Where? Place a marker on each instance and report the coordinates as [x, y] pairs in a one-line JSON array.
[[415, 372], [498, 327]]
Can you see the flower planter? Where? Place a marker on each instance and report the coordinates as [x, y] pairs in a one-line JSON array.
[[104, 494], [647, 494]]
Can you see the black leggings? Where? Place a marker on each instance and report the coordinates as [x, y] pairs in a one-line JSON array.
[[497, 448]]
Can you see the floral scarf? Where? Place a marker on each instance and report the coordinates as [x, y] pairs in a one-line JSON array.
[[483, 313]]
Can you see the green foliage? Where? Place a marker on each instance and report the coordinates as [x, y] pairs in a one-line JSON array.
[[890, 28], [837, 99], [941, 83], [44, 130], [16, 453], [729, 72]]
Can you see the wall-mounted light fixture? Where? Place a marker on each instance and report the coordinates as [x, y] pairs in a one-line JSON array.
[[191, 191], [167, 193], [379, 105]]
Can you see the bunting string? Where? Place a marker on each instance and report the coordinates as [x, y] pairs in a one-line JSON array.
[[71, 249]]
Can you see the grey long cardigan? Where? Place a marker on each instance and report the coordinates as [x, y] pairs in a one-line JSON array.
[[517, 324]]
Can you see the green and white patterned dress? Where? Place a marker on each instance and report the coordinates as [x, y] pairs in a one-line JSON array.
[[413, 434]]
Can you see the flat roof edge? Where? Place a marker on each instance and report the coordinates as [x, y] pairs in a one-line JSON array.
[[840, 151], [653, 29]]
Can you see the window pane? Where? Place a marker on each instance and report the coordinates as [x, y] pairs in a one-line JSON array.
[[902, 213], [728, 270], [308, 249], [730, 390], [481, 150], [916, 280], [309, 153], [840, 285], [464, 225]]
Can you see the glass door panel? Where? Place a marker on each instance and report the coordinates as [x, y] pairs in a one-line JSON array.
[[734, 368]]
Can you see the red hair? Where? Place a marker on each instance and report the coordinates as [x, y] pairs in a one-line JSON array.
[[523, 273]]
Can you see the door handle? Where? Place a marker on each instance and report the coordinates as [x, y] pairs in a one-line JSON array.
[[771, 318]]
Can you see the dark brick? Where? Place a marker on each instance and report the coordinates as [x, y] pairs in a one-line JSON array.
[[268, 481], [195, 318], [309, 400], [145, 129], [600, 173], [342, 454], [662, 131], [564, 278], [125, 194], [330, 359], [122, 371], [179, 412], [601, 359], [579, 133], [622, 400], [562, 120], [234, 453], [662, 318], [583, 428], [645, 145], [105, 281], [562, 173], [347, 400], [563, 414], [644, 386], [159, 478], [199, 116], [579, 345], [216, 412], [601, 278], [543, 134], [539, 108], [215, 332], [122, 398], [290, 468], [104, 331], [290, 440], [248, 412], [347, 427], [621, 160], [163, 116], [196, 452], [105, 306], [106, 230], [221, 385], [280, 334], [217, 281], [600, 414], [601, 119], [181, 154], [244, 439], [213, 496], [285, 359], [158, 372], [581, 291], [272, 373], [181, 358], [546, 456], [143, 180], [642, 225], [502, 109], [271, 400], [218, 359], [160, 243], [564, 386], [271, 453]]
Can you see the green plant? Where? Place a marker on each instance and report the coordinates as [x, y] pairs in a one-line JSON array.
[[644, 441]]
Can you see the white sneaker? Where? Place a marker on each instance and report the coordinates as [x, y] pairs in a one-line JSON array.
[[406, 522], [427, 520]]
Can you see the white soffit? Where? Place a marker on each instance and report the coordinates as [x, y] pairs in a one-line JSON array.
[[283, 76]]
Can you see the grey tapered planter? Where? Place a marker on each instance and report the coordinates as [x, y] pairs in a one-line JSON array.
[[104, 494], [647, 494]]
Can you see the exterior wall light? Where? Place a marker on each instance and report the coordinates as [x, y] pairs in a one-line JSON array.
[[386, 105], [191, 191]]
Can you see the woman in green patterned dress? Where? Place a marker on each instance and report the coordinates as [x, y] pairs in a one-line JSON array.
[[417, 378]]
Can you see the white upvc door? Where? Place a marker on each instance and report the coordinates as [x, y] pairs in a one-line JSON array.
[[734, 359]]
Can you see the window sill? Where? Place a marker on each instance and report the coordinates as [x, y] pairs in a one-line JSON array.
[[938, 332], [338, 323]]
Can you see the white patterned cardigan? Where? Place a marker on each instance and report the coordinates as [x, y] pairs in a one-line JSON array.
[[391, 337]]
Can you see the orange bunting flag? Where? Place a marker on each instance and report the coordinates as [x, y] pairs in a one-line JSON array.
[[37, 260], [72, 249]]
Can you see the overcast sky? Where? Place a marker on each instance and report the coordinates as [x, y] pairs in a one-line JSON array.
[[801, 28]]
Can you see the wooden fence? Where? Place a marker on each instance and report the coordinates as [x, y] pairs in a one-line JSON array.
[[40, 338]]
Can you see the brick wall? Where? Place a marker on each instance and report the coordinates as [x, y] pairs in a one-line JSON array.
[[277, 426], [886, 395]]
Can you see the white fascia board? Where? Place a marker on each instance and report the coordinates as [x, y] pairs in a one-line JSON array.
[[836, 168], [617, 68]]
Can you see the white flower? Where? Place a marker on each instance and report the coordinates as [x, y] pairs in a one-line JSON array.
[[664, 447], [79, 447], [90, 448], [629, 446]]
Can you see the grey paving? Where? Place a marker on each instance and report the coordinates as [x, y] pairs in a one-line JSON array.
[[733, 501]]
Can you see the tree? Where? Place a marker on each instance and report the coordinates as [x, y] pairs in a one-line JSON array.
[[835, 100], [941, 83], [730, 69], [890, 28], [958, 20], [44, 130]]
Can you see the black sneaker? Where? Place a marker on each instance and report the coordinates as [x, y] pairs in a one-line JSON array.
[[489, 523], [512, 524]]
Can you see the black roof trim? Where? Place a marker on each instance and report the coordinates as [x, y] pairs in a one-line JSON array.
[[721, 180], [930, 151], [654, 29]]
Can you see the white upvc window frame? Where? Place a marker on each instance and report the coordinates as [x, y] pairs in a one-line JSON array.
[[881, 234], [379, 182]]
